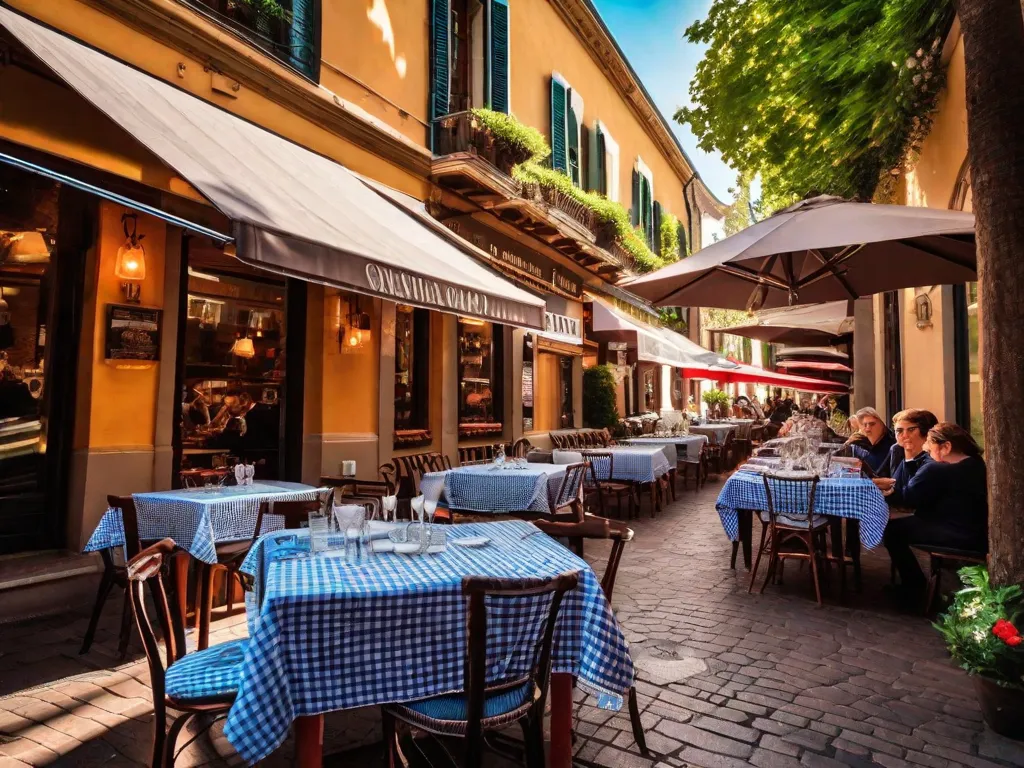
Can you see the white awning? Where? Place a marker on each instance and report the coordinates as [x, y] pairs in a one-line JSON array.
[[293, 211], [654, 345]]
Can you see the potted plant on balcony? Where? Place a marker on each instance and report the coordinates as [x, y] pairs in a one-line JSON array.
[[982, 631], [506, 141]]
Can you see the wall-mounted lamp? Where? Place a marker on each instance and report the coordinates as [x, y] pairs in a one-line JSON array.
[[131, 260], [243, 347], [923, 310], [355, 334]]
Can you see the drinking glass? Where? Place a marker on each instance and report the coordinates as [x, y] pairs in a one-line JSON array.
[[319, 531], [388, 504]]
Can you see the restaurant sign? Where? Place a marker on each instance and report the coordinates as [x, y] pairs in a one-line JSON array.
[[516, 259]]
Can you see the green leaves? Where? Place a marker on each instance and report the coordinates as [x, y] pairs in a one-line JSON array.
[[599, 409], [505, 128], [669, 236], [816, 97], [967, 628]]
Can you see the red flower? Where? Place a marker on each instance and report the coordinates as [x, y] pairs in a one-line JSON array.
[[1013, 641], [1004, 630]]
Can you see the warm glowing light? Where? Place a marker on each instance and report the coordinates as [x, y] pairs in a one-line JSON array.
[[131, 262]]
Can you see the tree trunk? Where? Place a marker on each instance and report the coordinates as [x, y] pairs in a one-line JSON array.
[[993, 32]]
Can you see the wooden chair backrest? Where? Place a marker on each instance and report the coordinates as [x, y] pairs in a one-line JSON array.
[[477, 590], [790, 496], [130, 520], [595, 528], [521, 447], [295, 513], [571, 487]]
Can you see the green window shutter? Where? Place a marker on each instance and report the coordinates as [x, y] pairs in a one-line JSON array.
[[499, 73], [558, 149], [572, 142], [440, 77], [600, 159], [684, 241], [656, 228], [302, 36], [635, 212]]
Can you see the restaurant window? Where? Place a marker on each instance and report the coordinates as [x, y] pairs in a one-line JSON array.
[[967, 343], [234, 369], [45, 231], [289, 30], [553, 403], [412, 376], [650, 390], [480, 402]]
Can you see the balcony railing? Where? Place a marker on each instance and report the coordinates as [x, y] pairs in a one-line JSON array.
[[562, 202], [287, 36], [463, 132]]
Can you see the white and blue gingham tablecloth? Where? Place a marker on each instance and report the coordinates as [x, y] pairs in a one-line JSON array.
[[637, 464], [687, 446], [482, 488], [198, 520], [716, 433], [332, 635], [856, 498]]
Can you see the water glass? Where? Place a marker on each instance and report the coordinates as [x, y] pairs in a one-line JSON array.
[[351, 522], [319, 531]]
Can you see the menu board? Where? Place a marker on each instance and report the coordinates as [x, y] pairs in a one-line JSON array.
[[132, 333]]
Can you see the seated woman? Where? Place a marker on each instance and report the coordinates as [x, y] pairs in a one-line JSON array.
[[950, 501], [907, 456], [872, 440]]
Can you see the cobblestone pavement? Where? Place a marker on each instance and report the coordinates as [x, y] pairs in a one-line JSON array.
[[726, 678]]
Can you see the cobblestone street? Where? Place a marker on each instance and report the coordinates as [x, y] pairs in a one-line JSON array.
[[726, 678]]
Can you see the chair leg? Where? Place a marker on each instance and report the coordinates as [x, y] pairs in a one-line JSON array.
[[159, 733], [773, 562], [814, 570], [390, 746], [533, 741], [126, 626], [106, 584], [172, 739], [757, 560], [735, 551], [638, 727], [933, 584]]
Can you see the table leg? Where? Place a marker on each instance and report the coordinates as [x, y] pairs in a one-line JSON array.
[[838, 551], [309, 741], [181, 582], [205, 607], [746, 521], [560, 754], [853, 544]]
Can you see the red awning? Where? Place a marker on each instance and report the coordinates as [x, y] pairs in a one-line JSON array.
[[749, 374], [814, 365]]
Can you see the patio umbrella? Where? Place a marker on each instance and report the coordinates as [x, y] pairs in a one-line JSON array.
[[750, 374], [821, 249], [802, 324], [814, 365], [812, 352]]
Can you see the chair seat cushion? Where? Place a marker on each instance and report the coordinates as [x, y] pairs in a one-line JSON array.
[[816, 521], [452, 706], [211, 674]]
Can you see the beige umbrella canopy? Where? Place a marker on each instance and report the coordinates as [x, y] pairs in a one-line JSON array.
[[818, 250], [803, 324]]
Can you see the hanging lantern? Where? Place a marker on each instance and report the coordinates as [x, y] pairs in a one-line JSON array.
[[131, 260], [243, 347]]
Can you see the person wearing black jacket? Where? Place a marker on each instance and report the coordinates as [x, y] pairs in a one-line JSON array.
[[949, 497], [873, 440], [907, 456]]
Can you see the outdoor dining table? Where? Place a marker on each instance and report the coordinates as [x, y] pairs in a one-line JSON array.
[[484, 488], [635, 464], [687, 446], [329, 634], [855, 499], [716, 433], [198, 519]]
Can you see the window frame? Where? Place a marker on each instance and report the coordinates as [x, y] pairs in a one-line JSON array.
[[496, 379], [419, 377]]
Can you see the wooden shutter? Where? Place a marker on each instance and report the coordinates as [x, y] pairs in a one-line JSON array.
[[586, 163], [656, 228], [684, 241], [499, 71], [302, 37], [440, 50], [558, 149], [572, 142], [648, 211], [600, 164], [636, 211]]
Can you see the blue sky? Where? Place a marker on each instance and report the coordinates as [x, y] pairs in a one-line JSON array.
[[651, 34]]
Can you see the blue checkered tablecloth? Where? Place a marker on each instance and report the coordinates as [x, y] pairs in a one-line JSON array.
[[856, 498], [716, 433], [331, 635], [687, 446], [482, 488], [639, 464], [197, 520]]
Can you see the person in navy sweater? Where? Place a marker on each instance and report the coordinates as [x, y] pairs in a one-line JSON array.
[[872, 441], [907, 456], [950, 500]]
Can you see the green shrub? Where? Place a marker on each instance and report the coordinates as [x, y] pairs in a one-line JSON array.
[[669, 236], [981, 629], [506, 129], [716, 397], [599, 391]]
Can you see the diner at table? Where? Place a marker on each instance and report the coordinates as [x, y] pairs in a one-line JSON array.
[[872, 440], [906, 457]]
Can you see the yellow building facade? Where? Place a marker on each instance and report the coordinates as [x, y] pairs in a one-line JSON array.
[[366, 378]]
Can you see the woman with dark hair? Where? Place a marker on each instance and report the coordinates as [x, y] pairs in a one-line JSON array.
[[950, 501], [907, 456]]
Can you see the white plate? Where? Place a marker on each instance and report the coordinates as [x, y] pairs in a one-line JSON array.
[[471, 541]]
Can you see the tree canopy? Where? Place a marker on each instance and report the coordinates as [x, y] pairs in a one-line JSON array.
[[816, 96]]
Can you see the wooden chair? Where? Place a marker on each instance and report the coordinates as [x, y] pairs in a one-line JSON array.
[[521, 448], [116, 575], [185, 683], [484, 707], [614, 488], [943, 557], [566, 503], [791, 520], [620, 535], [699, 468]]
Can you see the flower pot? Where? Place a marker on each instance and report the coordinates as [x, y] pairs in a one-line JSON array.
[[1002, 708]]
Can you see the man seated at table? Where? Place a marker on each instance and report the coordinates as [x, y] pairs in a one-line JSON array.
[[950, 501], [872, 441], [907, 456]]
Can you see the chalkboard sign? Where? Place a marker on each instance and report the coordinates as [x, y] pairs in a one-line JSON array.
[[133, 333]]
